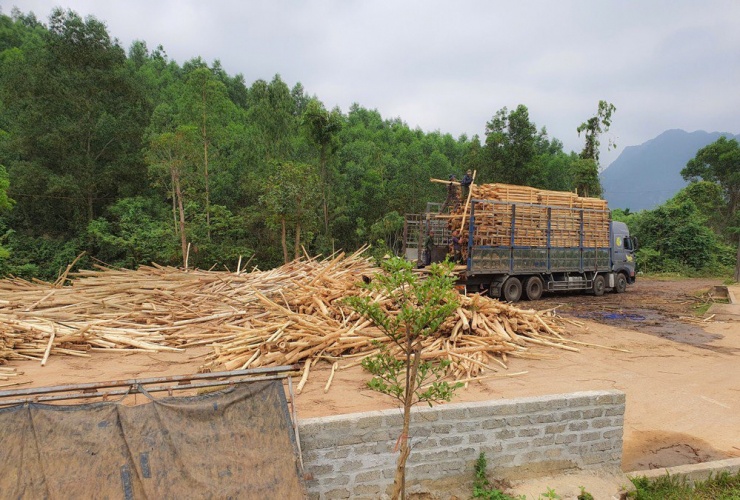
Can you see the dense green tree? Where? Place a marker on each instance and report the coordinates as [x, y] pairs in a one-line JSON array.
[[587, 171], [719, 163], [678, 235], [511, 146], [323, 128], [593, 128], [290, 199], [75, 116]]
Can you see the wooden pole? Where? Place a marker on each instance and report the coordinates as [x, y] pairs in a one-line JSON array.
[[467, 202]]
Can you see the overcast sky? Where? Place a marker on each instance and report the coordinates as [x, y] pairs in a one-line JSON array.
[[450, 65]]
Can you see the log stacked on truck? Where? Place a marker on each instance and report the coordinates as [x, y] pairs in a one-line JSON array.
[[535, 214], [291, 314]]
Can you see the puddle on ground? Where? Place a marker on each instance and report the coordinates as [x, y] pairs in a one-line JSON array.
[[654, 323], [645, 450]]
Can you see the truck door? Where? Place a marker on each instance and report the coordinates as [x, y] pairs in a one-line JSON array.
[[623, 258]]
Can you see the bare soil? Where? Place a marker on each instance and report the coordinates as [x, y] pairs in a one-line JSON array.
[[681, 375]]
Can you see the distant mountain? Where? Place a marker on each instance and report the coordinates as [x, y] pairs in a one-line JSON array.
[[645, 176]]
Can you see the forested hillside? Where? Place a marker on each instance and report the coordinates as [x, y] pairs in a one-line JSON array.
[[133, 158]]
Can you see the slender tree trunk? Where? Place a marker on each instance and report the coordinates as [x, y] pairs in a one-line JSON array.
[[181, 209], [413, 358], [205, 167], [297, 245], [174, 206], [737, 263], [324, 197], [284, 240]]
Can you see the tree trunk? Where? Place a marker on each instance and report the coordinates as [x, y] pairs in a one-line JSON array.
[[737, 262], [181, 209], [297, 245], [324, 182], [205, 167], [413, 358], [174, 207], [283, 239]]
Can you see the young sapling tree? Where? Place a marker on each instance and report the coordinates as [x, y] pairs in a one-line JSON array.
[[413, 307]]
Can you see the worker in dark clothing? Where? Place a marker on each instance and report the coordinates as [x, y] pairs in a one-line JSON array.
[[428, 247], [465, 183], [456, 247], [453, 195]]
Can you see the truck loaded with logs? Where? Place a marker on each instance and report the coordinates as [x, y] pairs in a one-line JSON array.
[[519, 241]]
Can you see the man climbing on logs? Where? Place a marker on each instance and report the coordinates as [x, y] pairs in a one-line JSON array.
[[453, 195]]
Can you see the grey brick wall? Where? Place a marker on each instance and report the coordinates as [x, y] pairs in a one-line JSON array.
[[352, 455]]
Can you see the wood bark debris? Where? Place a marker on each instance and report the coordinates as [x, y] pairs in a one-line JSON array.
[[291, 314]]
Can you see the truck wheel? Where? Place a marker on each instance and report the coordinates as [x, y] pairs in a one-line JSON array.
[[621, 283], [512, 290], [599, 285], [533, 287]]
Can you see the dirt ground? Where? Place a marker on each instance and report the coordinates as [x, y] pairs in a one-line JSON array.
[[681, 374]]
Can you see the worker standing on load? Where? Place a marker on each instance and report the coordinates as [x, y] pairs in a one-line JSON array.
[[466, 181], [453, 195]]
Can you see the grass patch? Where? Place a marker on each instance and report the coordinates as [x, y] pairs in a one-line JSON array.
[[724, 486]]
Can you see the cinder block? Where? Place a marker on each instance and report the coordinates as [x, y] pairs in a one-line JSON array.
[[505, 434], [350, 465], [517, 421], [373, 475], [544, 418], [613, 433], [566, 438], [491, 450], [465, 427], [493, 423], [555, 428], [593, 413], [336, 453], [590, 436], [614, 411], [569, 415], [442, 428], [516, 445], [529, 431], [371, 490], [424, 443], [451, 441], [583, 399], [477, 438], [337, 494], [613, 397], [579, 425], [600, 423], [546, 440]]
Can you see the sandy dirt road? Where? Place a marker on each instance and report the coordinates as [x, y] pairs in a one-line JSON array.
[[681, 375]]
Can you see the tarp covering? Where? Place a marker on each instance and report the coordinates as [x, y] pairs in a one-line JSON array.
[[236, 443]]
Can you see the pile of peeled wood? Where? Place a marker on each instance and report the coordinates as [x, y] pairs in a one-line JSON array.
[[291, 314], [537, 214]]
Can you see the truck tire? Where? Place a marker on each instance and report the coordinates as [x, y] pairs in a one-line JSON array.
[[512, 290], [599, 285], [620, 285], [533, 287]]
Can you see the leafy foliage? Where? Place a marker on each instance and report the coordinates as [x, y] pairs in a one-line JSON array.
[[417, 307], [724, 486], [482, 488]]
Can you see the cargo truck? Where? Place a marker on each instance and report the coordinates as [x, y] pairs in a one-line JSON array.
[[548, 242]]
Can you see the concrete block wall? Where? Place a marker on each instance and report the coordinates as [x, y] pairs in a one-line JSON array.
[[352, 456]]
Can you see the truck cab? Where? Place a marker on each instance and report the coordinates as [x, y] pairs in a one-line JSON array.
[[623, 247]]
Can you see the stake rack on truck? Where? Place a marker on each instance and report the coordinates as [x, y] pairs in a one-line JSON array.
[[520, 242]]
